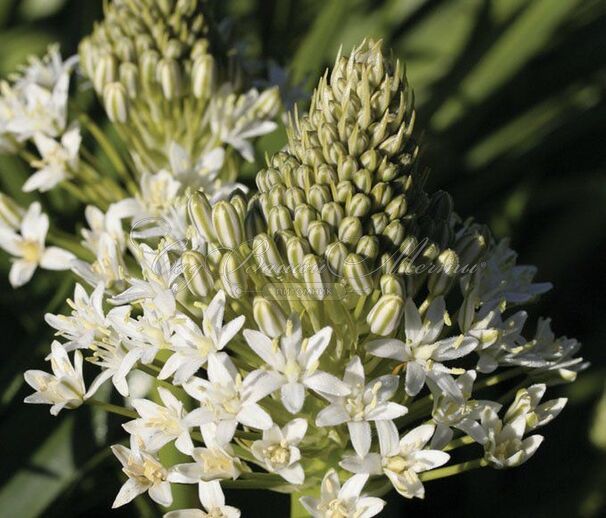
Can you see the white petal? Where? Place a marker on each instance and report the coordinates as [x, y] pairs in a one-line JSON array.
[[415, 378], [389, 438], [359, 432], [211, 495], [353, 487], [56, 259], [161, 494], [21, 272], [293, 397], [263, 347], [418, 437], [332, 415], [327, 384], [387, 348], [295, 431], [412, 322], [128, 492], [255, 417]]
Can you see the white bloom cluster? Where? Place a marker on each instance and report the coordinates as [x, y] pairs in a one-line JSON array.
[[294, 337]]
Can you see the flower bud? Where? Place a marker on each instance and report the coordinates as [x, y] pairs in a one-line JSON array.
[[254, 223], [304, 216], [169, 77], [232, 274], [440, 282], [115, 100], [318, 196], [293, 197], [392, 285], [105, 72], [346, 167], [129, 77], [359, 205], [200, 214], [333, 214], [296, 249], [202, 76], [385, 315], [315, 276], [368, 247], [227, 224], [197, 275], [357, 275], [350, 230], [279, 219], [267, 255], [336, 254], [269, 317], [319, 236]]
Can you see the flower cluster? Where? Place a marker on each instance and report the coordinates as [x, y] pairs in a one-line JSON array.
[[338, 333]]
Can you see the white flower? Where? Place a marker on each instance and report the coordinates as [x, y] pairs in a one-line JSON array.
[[40, 109], [158, 282], [115, 361], [278, 450], [337, 501], [62, 389], [235, 119], [58, 160], [201, 173], [527, 404], [215, 461], [449, 411], [505, 446], [145, 473], [108, 267], [504, 281], [193, 346], [160, 425], [227, 399], [86, 322], [29, 249], [212, 500], [364, 403], [423, 353], [401, 460], [296, 363], [549, 354]]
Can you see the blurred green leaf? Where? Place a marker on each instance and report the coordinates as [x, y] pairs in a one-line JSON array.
[[35, 9]]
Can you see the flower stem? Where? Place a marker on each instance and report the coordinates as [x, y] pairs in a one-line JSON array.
[[455, 469], [112, 409]]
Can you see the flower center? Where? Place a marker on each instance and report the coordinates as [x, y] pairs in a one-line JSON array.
[[278, 455], [31, 251]]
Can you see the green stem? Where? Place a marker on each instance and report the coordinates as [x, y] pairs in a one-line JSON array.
[[457, 443], [112, 409], [498, 378], [455, 469]]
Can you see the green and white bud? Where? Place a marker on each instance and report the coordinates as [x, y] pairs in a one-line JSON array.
[[227, 224], [385, 315], [115, 99], [440, 282], [233, 275], [267, 256], [320, 236], [203, 76], [279, 219], [200, 214], [357, 274], [269, 317], [336, 254], [170, 78], [197, 275], [315, 276], [11, 213]]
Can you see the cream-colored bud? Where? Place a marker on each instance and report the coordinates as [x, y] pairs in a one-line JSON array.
[[269, 316], [227, 224], [115, 99], [197, 275], [385, 315]]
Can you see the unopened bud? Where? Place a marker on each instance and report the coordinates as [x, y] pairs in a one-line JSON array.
[[385, 315], [269, 317], [200, 214], [202, 76], [197, 275], [169, 77], [357, 275], [227, 224], [232, 274], [115, 100]]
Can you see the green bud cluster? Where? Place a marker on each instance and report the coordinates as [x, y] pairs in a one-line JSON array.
[[150, 62], [344, 204]]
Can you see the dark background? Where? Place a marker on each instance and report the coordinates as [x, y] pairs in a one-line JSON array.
[[511, 96]]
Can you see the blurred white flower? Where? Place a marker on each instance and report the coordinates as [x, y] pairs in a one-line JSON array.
[[28, 247], [58, 162], [62, 389]]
